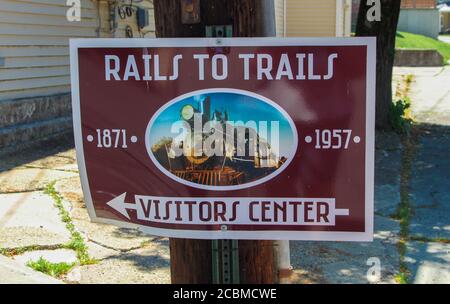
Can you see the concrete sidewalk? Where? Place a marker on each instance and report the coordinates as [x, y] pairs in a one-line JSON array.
[[430, 93], [347, 262], [427, 255], [428, 250], [12, 272], [30, 222], [31, 225], [444, 38]]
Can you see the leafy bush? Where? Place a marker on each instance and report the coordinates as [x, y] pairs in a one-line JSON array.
[[400, 117]]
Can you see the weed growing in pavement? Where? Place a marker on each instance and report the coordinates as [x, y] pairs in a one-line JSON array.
[[53, 269], [400, 112], [404, 211], [400, 116], [76, 242]]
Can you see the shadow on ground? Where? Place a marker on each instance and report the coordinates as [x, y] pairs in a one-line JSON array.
[[143, 262], [428, 251], [24, 154], [127, 233], [429, 187]]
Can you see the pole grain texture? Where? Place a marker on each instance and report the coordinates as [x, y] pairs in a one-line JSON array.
[[191, 259]]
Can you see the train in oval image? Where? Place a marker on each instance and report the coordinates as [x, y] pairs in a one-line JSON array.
[[221, 139]]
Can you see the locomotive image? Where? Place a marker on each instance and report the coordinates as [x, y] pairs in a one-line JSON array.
[[242, 153]]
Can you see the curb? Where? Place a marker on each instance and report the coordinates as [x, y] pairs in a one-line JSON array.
[[11, 272]]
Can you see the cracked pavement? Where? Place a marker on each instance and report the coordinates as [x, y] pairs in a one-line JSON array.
[[28, 217], [428, 251], [427, 254], [30, 222]]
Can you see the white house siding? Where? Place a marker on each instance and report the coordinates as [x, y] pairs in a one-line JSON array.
[[279, 17], [34, 39], [306, 18], [310, 18]]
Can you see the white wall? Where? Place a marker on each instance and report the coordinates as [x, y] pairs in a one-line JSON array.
[[34, 38], [298, 18], [419, 21]]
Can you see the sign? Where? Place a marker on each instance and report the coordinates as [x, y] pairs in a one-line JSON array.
[[227, 138]]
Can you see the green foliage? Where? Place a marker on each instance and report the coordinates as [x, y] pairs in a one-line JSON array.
[[399, 116], [414, 41], [401, 278], [409, 79], [404, 210], [20, 250], [76, 242], [424, 239], [403, 215], [53, 269]]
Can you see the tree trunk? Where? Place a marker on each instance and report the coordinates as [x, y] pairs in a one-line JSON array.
[[191, 259], [385, 30]]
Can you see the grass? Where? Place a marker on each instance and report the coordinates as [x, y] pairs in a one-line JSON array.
[[404, 210], [428, 239], [400, 118], [53, 269], [402, 122], [10, 252], [400, 112], [406, 40], [76, 242], [401, 278]]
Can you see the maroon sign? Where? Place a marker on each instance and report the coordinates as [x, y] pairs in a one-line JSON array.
[[227, 138]]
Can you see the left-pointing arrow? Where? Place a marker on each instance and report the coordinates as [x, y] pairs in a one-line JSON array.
[[118, 204]]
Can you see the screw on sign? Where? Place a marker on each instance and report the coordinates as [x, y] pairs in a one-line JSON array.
[[272, 139]]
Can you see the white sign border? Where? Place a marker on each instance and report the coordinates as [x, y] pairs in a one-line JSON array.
[[369, 42]]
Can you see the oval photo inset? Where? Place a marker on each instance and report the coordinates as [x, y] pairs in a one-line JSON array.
[[221, 139]]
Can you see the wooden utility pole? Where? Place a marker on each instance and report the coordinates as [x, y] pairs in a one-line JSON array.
[[191, 260]]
